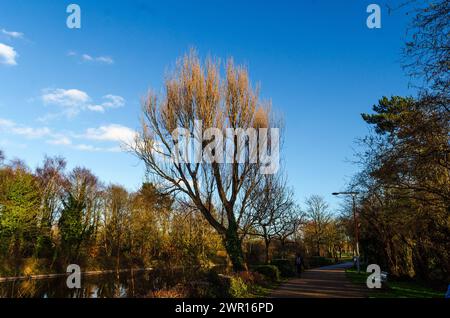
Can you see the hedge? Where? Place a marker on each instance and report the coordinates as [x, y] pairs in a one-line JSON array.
[[286, 267], [270, 271]]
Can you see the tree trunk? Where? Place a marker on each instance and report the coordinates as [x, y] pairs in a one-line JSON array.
[[233, 245], [318, 248], [283, 248], [267, 245]]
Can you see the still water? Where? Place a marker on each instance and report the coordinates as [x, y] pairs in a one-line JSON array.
[[111, 285]]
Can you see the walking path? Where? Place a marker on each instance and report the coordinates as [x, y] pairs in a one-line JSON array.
[[322, 282]]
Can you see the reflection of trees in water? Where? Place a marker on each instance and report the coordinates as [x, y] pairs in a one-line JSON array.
[[128, 284]]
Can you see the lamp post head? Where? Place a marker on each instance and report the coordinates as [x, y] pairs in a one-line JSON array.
[[346, 193]]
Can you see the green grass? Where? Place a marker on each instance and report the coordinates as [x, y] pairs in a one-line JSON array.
[[258, 291], [395, 289]]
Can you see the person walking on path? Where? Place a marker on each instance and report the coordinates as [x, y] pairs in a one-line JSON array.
[[298, 264]]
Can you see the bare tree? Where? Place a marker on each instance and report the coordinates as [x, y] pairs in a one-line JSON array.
[[427, 53], [273, 211], [320, 217], [197, 98], [290, 224], [116, 216], [51, 181]]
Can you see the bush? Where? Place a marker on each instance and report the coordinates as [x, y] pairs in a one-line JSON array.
[[198, 289], [227, 286], [174, 292], [253, 278], [318, 261], [270, 271], [285, 267], [238, 288]]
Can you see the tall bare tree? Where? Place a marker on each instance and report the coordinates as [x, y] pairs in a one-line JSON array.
[[194, 94], [116, 217]]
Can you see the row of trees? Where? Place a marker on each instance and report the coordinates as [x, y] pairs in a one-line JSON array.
[[62, 217], [404, 212], [57, 217]]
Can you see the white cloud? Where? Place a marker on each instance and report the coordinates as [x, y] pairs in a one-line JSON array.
[[65, 97], [96, 108], [73, 101], [113, 101], [92, 59], [87, 57], [12, 34], [112, 132], [27, 132], [91, 148], [110, 101], [60, 140], [85, 147], [116, 135], [105, 60], [31, 132], [8, 55], [5, 123]]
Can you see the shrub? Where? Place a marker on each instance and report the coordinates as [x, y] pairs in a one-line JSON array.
[[285, 267], [198, 289], [174, 292], [247, 277], [253, 278], [318, 261], [270, 271], [238, 288], [228, 286]]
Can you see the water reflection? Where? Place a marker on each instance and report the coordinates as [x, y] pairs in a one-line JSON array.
[[111, 285]]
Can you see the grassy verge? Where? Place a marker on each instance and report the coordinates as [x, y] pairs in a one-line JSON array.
[[258, 291], [395, 289]]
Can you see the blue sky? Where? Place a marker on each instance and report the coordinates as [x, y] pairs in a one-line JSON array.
[[74, 93]]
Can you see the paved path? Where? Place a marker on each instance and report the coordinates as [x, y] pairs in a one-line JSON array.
[[322, 282]]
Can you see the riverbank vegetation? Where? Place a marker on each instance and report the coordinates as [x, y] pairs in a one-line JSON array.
[[51, 217]]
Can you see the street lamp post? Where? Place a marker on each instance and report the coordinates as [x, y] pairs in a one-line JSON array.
[[353, 194]]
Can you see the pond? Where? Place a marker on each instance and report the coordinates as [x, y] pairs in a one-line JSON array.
[[110, 285]]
